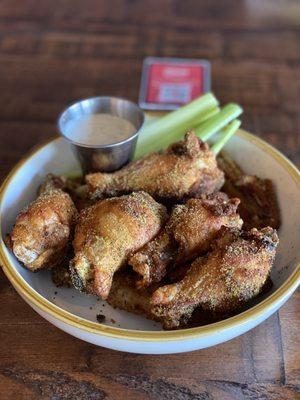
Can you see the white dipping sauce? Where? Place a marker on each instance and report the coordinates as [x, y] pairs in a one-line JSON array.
[[99, 129]]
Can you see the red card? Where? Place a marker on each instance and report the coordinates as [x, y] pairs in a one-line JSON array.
[[174, 83], [169, 83]]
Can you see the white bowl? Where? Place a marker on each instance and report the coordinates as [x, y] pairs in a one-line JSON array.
[[75, 313]]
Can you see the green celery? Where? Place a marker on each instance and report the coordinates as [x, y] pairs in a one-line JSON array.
[[169, 128], [219, 121], [226, 134]]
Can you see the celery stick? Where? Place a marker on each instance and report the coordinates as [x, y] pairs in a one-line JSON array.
[[226, 135], [219, 121], [144, 147], [178, 132], [164, 128]]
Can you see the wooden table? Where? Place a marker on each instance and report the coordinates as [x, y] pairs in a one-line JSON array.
[[55, 52]]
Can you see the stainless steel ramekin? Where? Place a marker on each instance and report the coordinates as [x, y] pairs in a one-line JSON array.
[[109, 157]]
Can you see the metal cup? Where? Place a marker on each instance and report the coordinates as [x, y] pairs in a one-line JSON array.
[[109, 157]]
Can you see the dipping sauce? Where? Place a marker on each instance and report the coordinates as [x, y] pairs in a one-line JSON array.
[[99, 129]]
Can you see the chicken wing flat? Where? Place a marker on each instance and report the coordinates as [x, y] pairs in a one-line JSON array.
[[222, 281], [43, 230], [188, 233], [107, 233], [126, 296], [259, 205], [186, 169]]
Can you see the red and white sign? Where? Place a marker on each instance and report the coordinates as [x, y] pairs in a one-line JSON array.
[[169, 83]]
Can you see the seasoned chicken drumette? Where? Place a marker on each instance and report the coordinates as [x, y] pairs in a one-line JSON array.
[[222, 281], [186, 169], [188, 233], [43, 230], [107, 233]]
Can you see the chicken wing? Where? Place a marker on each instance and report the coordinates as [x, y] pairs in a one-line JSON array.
[[188, 233], [222, 281], [186, 169], [43, 230], [259, 205], [107, 233], [126, 296]]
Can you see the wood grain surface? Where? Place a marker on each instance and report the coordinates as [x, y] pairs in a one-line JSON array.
[[54, 52]]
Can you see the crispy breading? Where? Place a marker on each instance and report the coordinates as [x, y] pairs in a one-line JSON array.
[[222, 281], [43, 230], [60, 275], [126, 296], [79, 193], [259, 205], [107, 233], [186, 169], [188, 233]]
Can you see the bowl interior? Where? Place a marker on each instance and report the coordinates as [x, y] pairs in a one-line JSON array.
[[57, 157]]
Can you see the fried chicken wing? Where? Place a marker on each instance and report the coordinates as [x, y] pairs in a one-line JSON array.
[[126, 296], [222, 281], [186, 169], [188, 233], [107, 233], [259, 205], [42, 231]]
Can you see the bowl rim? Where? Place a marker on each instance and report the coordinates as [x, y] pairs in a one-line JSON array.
[[253, 313]]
